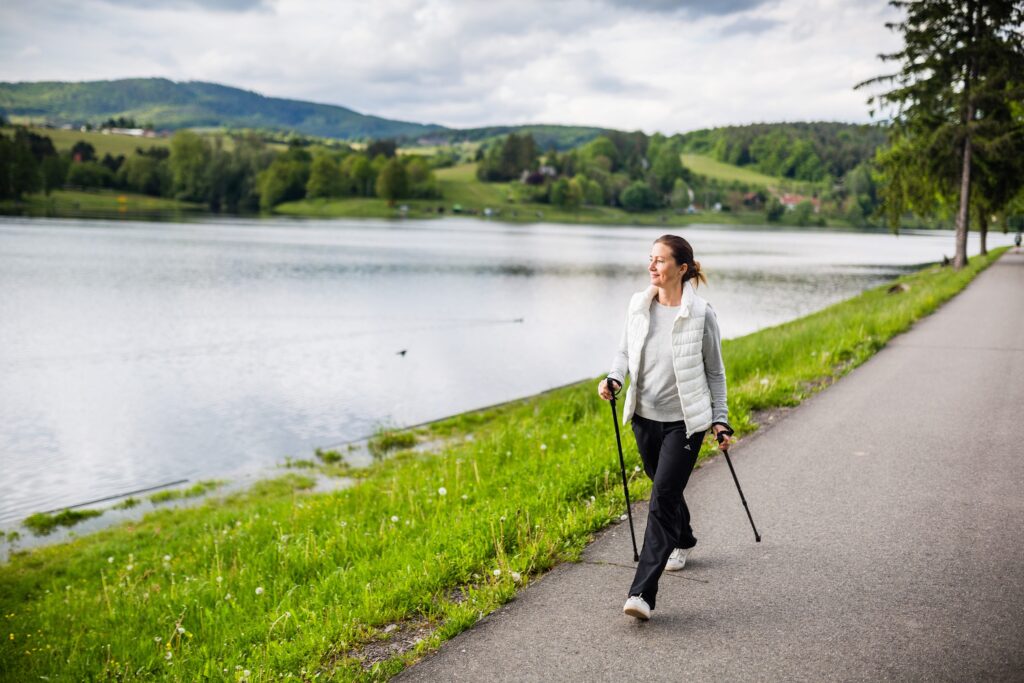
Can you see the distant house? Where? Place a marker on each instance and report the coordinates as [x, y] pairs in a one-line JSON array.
[[790, 201]]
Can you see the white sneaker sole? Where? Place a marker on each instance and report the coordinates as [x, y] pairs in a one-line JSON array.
[[636, 613]]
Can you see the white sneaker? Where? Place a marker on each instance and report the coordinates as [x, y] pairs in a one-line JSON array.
[[637, 607], [677, 560]]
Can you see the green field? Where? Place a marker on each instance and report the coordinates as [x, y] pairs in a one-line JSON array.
[[275, 583], [706, 166], [111, 144]]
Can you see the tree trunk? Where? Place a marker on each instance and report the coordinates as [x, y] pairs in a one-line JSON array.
[[963, 215], [983, 231]]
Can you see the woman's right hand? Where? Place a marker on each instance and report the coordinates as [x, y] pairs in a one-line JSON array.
[[603, 391]]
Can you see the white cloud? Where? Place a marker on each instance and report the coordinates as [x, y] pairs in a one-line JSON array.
[[651, 65]]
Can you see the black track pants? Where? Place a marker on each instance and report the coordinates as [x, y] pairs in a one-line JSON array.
[[668, 458]]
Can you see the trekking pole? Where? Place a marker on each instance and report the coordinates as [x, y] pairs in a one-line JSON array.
[[622, 466], [721, 437]]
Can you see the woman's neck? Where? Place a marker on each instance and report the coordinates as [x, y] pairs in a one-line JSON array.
[[670, 296]]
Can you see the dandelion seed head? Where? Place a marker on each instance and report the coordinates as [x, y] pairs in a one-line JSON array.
[[764, 382], [517, 577], [622, 517], [110, 560], [130, 567], [344, 523], [157, 639], [168, 655], [636, 468], [259, 590], [565, 436], [181, 629], [167, 558], [247, 673], [497, 572], [465, 497], [593, 499], [394, 518], [543, 446], [228, 596], [220, 579], [442, 491]]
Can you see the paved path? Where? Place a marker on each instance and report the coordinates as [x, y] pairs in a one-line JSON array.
[[891, 507]]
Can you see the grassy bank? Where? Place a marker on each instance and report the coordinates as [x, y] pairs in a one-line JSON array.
[[275, 583], [98, 203]]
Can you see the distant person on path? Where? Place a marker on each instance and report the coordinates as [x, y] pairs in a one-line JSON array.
[[671, 346], [1016, 240]]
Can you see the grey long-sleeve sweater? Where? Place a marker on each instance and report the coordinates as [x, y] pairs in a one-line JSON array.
[[657, 396]]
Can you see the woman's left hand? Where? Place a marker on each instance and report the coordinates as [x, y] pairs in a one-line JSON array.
[[723, 444]]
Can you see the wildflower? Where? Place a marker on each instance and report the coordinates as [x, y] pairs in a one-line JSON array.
[[465, 497], [247, 673], [508, 452], [442, 491], [636, 468], [565, 436], [220, 579], [764, 382], [259, 590], [622, 517], [593, 499], [497, 572], [168, 655], [543, 446], [228, 596], [157, 639], [110, 560], [130, 567], [517, 577], [181, 630], [344, 523], [394, 518], [503, 518], [167, 558]]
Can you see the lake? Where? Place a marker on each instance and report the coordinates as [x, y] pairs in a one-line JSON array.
[[133, 353]]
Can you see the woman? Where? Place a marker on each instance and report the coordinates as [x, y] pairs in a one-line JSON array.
[[671, 346]]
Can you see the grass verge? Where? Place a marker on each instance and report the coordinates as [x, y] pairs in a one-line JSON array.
[[272, 583]]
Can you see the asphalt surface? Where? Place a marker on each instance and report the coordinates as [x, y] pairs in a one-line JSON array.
[[891, 507]]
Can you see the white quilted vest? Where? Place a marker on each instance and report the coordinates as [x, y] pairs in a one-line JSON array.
[[687, 354]]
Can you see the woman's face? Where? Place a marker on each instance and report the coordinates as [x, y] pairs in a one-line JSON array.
[[664, 270]]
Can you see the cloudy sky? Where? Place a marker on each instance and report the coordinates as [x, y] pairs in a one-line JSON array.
[[655, 65]]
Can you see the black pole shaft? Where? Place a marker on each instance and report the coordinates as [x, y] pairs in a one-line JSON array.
[[757, 536], [625, 486]]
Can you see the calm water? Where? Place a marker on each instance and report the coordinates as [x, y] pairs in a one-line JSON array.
[[132, 354]]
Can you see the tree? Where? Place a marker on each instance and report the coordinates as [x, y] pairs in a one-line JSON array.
[[325, 178], [773, 210], [639, 197], [392, 181], [666, 167], [283, 181], [54, 170], [959, 58], [146, 174], [189, 158], [83, 151]]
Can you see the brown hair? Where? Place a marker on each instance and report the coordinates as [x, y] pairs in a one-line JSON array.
[[682, 253]]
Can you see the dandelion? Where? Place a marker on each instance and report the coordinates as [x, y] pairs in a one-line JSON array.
[[465, 497], [157, 639], [110, 560], [636, 468], [622, 518], [503, 518], [593, 499], [497, 572], [344, 523], [394, 518], [228, 596], [517, 577], [220, 579], [564, 437], [168, 655], [167, 558], [442, 491], [543, 446], [259, 590], [764, 382], [130, 567], [247, 673], [181, 630]]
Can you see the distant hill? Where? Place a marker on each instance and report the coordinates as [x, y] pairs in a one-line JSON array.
[[170, 105]]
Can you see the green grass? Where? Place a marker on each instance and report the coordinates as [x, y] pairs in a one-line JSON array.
[[97, 203], [712, 168], [111, 144], [43, 524], [194, 491], [277, 582]]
